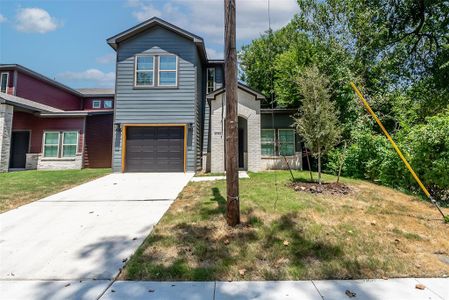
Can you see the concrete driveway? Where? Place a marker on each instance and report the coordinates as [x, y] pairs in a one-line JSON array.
[[85, 233]]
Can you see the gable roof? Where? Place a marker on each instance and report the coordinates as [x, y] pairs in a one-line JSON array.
[[97, 92], [150, 23], [45, 110], [40, 77], [27, 104], [244, 87]]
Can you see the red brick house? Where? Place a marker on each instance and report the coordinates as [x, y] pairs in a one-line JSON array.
[[47, 125]]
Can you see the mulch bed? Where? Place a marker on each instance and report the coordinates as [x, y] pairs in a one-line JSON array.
[[332, 188]]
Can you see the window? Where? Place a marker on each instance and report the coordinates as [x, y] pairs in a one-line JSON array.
[[107, 103], [69, 144], [51, 144], [60, 144], [210, 80], [96, 104], [268, 145], [4, 82], [168, 69], [286, 142], [144, 68]]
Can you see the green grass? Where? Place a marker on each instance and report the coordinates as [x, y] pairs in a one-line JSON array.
[[372, 232], [19, 188]]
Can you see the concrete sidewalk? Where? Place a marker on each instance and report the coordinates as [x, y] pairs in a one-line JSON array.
[[378, 289], [391, 289]]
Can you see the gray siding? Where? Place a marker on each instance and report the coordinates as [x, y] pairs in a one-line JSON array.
[[200, 96], [219, 83], [158, 105]]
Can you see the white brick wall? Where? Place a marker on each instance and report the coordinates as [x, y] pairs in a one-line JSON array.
[[60, 163], [6, 114], [31, 161], [248, 108]]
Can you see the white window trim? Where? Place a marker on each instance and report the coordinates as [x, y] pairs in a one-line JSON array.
[[207, 83], [135, 71], [109, 101], [7, 81], [60, 144], [279, 141], [63, 144], [94, 102], [274, 142], [44, 144], [159, 71]]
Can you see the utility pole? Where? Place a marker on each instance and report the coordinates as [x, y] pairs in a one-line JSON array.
[[231, 132]]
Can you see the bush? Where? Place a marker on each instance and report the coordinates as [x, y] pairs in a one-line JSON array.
[[426, 147]]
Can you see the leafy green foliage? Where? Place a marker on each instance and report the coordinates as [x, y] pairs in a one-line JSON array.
[[317, 123], [398, 52]]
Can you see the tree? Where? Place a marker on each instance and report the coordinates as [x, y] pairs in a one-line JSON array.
[[318, 120]]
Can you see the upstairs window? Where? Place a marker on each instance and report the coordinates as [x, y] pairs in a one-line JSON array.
[[4, 82], [144, 71], [210, 80], [107, 104], [168, 69], [96, 104]]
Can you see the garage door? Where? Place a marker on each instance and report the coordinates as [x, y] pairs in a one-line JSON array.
[[154, 149]]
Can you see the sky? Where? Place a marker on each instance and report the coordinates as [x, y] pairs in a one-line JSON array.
[[66, 39]]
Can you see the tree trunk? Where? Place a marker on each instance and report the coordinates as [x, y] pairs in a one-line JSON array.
[[319, 168], [232, 172], [339, 172], [341, 161], [310, 168]]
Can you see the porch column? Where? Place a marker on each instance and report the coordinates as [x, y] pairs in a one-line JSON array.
[[6, 113], [254, 142]]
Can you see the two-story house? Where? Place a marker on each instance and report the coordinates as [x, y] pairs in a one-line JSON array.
[[169, 108], [47, 125], [168, 113]]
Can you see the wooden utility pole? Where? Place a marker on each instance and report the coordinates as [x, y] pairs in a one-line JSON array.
[[231, 132]]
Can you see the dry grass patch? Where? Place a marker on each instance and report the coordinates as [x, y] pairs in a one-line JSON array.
[[371, 232]]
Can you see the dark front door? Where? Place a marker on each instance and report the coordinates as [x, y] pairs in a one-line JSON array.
[[155, 149], [20, 141], [241, 149]]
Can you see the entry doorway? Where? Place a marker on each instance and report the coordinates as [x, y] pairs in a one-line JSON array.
[[243, 143], [20, 143]]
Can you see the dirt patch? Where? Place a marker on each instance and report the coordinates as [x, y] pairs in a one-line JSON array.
[[331, 188]]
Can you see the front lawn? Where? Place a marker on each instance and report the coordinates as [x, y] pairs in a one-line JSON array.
[[19, 188], [371, 232]]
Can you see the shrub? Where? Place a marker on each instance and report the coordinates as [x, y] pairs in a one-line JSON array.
[[426, 147]]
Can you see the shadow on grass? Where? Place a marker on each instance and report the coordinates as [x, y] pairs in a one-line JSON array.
[[209, 250], [210, 210]]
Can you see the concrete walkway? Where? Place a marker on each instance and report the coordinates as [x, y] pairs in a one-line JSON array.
[[82, 234], [379, 289]]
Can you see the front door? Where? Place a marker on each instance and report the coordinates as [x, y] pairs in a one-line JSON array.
[[20, 141], [241, 149]]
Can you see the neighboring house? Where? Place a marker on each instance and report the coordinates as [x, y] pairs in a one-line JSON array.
[[168, 113], [47, 125]]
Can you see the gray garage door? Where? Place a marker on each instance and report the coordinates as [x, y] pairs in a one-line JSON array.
[[154, 149]]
